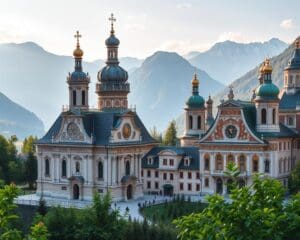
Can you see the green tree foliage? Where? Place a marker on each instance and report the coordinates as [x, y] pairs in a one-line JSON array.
[[294, 179], [4, 159], [170, 138], [30, 169], [28, 145], [255, 212], [8, 217]]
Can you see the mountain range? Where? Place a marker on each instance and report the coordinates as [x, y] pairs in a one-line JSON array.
[[160, 84], [226, 61], [244, 85]]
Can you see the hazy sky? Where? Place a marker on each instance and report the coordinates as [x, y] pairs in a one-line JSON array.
[[146, 26]]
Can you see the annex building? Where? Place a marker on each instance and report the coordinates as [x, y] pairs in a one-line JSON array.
[[109, 148]]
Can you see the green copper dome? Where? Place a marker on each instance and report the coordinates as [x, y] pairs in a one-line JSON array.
[[267, 91], [195, 101]]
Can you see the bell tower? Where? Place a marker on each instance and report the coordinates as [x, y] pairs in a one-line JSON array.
[[267, 102], [112, 87], [78, 81]]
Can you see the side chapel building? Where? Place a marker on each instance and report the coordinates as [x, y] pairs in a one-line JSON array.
[[109, 148]]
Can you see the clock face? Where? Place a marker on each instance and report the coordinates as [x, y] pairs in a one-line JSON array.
[[231, 131], [126, 130]]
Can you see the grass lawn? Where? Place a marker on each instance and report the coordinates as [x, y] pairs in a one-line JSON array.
[[166, 212]]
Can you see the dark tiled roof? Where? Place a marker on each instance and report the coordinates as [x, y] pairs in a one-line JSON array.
[[99, 124], [192, 152], [289, 102]]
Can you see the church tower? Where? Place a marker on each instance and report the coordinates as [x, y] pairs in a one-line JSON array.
[[267, 101], [112, 87], [292, 72], [195, 112], [78, 81]]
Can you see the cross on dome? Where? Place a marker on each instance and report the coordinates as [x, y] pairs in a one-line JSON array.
[[77, 36], [112, 20]]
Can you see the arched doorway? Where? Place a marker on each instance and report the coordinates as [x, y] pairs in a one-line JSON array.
[[75, 191], [168, 189], [219, 186], [129, 192]]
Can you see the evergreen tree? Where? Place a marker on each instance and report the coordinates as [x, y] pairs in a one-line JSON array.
[[294, 179], [31, 169], [170, 138]]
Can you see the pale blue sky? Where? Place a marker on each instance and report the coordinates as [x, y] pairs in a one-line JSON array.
[[146, 26]]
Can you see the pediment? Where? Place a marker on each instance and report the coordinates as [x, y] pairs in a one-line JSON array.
[[230, 104], [72, 130], [125, 129]]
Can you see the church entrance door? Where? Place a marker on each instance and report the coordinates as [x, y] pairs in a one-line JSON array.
[[219, 186], [129, 192], [75, 191]]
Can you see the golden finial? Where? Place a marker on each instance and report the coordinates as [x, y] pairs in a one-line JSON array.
[[77, 53], [261, 69], [267, 66], [195, 81], [297, 43], [112, 20]]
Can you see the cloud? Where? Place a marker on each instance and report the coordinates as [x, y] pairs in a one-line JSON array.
[[232, 36], [183, 5], [136, 22], [287, 24]]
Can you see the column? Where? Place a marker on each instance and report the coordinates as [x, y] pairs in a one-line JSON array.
[[69, 173], [86, 169], [248, 165], [117, 169], [113, 172], [212, 162], [225, 162], [90, 167], [52, 174], [261, 164], [57, 168]]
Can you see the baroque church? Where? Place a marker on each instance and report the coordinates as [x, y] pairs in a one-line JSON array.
[[108, 149]]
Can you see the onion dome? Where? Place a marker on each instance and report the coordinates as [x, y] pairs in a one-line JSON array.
[[195, 101], [267, 90], [78, 74], [294, 63], [113, 73], [77, 53]]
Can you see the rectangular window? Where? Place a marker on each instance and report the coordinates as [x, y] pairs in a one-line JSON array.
[[171, 176], [186, 162], [148, 173], [171, 162], [181, 174], [156, 174], [206, 182], [190, 187], [156, 185], [148, 184], [165, 176], [189, 175], [64, 188], [197, 175], [165, 162], [197, 187], [142, 173], [181, 186]]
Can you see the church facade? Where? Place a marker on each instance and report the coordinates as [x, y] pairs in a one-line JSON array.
[[108, 149], [89, 150]]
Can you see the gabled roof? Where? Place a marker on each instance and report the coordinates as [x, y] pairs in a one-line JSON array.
[[192, 152], [99, 125]]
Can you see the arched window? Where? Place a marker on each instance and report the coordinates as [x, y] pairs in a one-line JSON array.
[[219, 162], [191, 122], [267, 166], [255, 165], [206, 162], [74, 97], [100, 170], [77, 167], [242, 163], [47, 167], [127, 168], [199, 122], [63, 168], [230, 159], [83, 97], [290, 121], [274, 116], [263, 116]]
